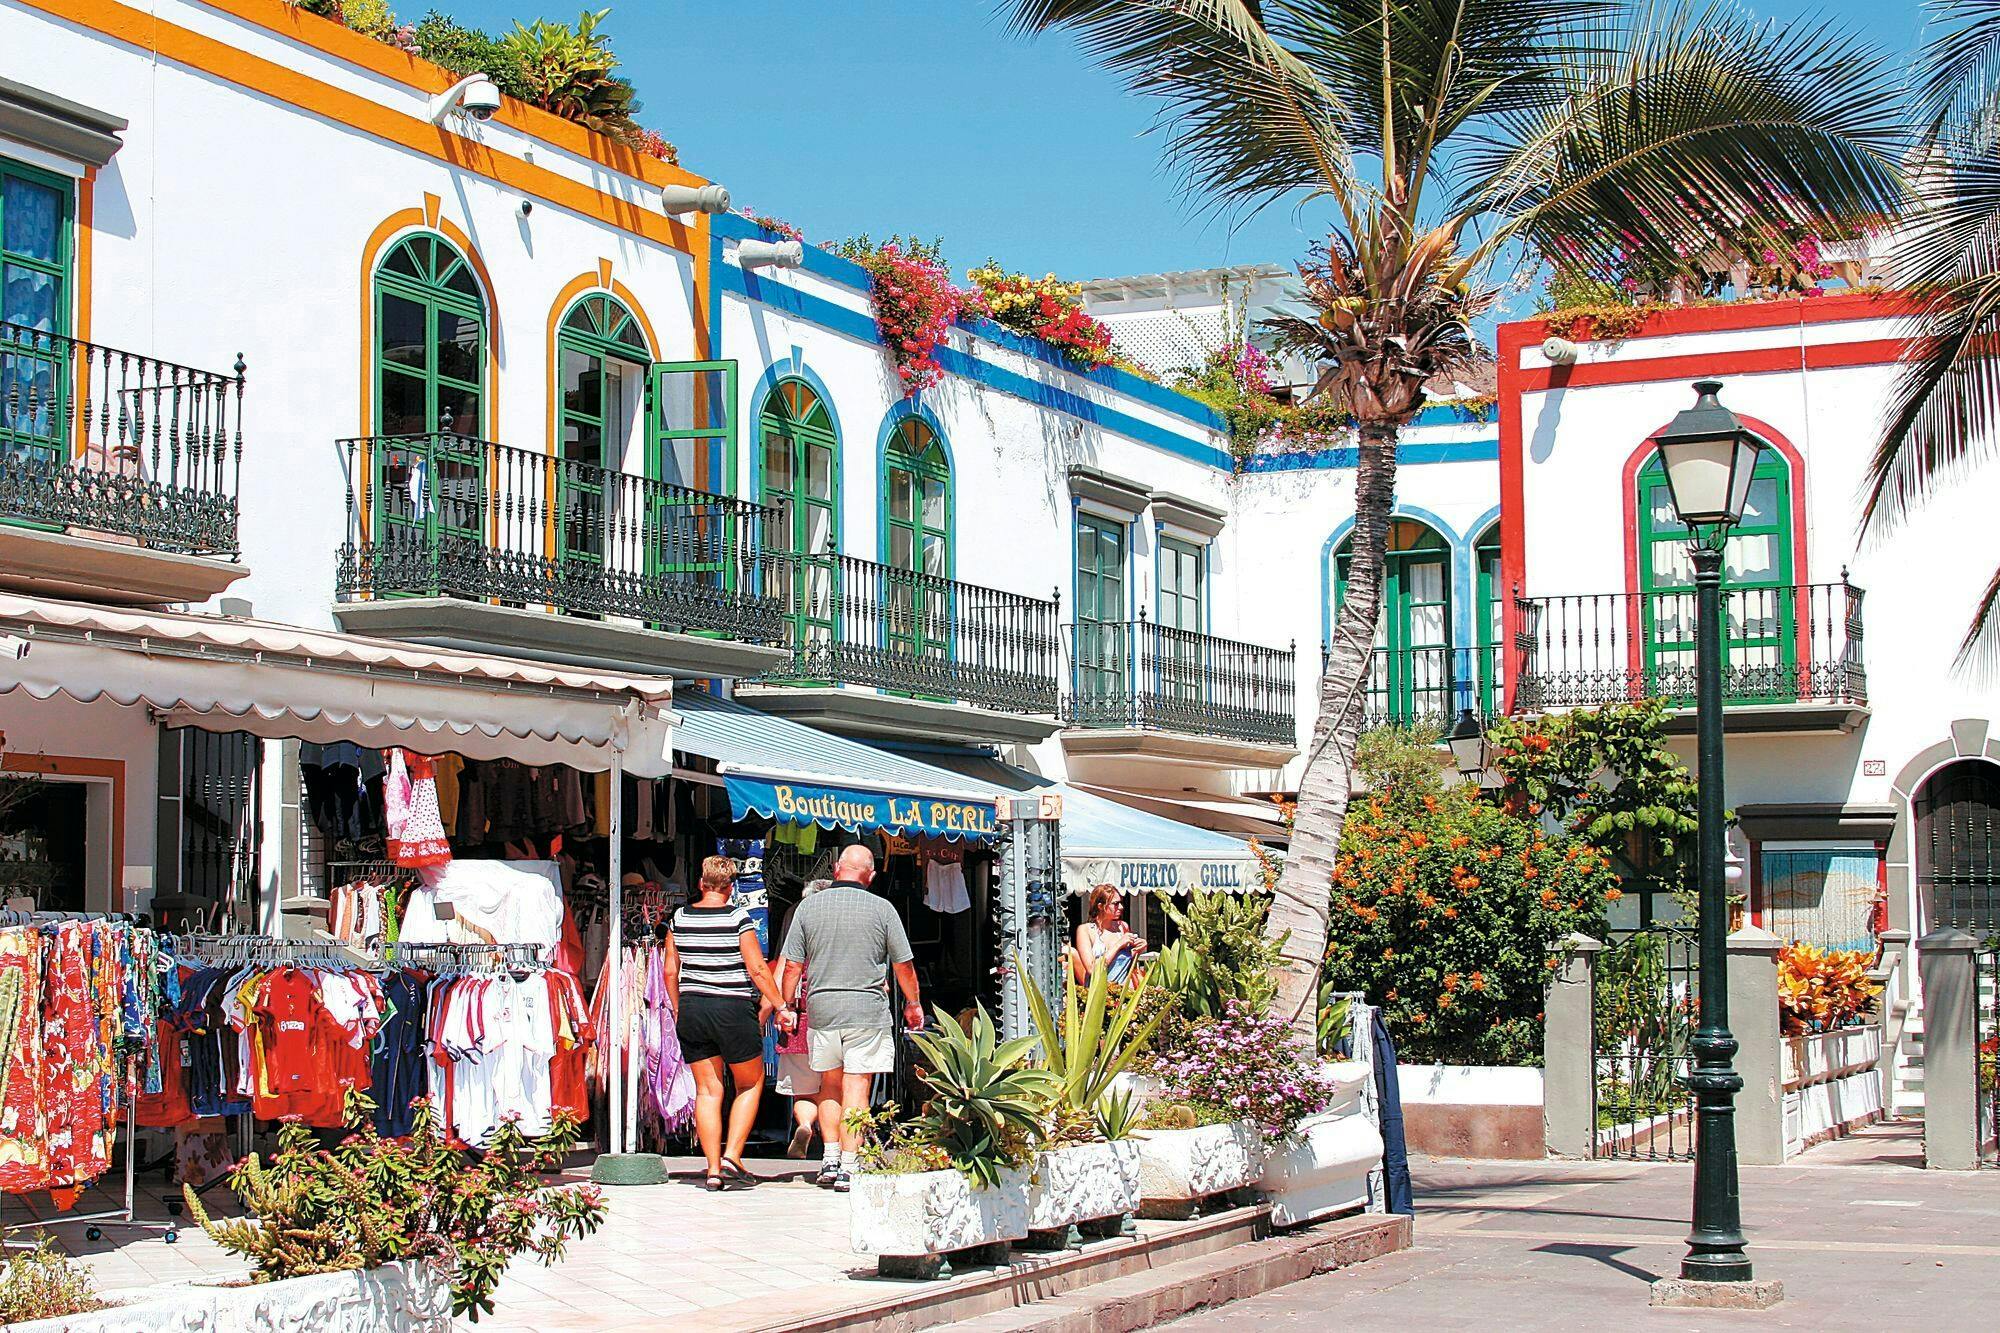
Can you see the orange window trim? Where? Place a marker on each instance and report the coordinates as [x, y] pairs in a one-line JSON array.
[[76, 766], [80, 253], [167, 41]]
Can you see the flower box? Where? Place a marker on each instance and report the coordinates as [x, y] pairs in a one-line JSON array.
[[394, 1298], [1180, 1167], [928, 1213], [1323, 1167], [1086, 1182]]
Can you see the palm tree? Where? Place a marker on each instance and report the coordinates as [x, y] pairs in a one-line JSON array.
[[1945, 408], [1448, 138]]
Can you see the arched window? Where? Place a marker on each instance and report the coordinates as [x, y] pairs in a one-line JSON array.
[[430, 339], [1488, 630], [601, 357], [800, 479], [917, 530], [1760, 621], [1411, 677], [430, 494], [1958, 847]]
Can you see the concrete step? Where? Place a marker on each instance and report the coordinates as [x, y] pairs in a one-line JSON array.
[[1143, 1300]]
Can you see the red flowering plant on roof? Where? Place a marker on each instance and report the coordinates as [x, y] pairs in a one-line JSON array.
[[1046, 308], [915, 303]]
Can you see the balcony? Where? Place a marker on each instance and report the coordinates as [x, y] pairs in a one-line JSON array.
[[460, 542], [938, 659], [118, 472], [1150, 689], [1792, 655], [1428, 687]]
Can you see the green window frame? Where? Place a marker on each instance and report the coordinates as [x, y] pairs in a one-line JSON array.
[[691, 447], [37, 257], [1102, 657], [918, 521], [1491, 610], [430, 472], [1182, 596], [1411, 676], [799, 477], [1759, 645], [602, 368]]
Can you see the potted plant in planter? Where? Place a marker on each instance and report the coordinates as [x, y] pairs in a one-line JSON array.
[[1322, 1166], [1087, 1174], [955, 1178], [1231, 1087], [373, 1232]]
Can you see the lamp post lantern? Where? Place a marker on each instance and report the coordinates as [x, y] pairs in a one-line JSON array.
[[1468, 745], [1709, 456]]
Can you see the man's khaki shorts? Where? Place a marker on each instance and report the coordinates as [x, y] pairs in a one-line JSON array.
[[852, 1050]]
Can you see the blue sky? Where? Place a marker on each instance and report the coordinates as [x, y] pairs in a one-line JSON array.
[[928, 117]]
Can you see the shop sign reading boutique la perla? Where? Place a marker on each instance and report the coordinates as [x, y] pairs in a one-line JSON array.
[[842, 807]]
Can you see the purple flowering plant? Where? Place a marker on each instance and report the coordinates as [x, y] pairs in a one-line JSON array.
[[1245, 1065]]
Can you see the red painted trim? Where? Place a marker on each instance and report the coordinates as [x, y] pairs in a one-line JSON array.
[[1757, 893], [1796, 461], [1670, 320], [1748, 361], [1512, 339]]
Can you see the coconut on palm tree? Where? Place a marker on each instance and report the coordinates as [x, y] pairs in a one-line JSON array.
[[1446, 139], [1944, 411]]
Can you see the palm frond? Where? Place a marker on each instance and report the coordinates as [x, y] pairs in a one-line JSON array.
[[1980, 649], [1705, 123], [1959, 68]]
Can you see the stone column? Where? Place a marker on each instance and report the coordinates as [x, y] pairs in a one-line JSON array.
[[1753, 1018], [1569, 1051], [1951, 1049]]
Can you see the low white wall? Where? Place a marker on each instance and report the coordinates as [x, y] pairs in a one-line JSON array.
[[1470, 1085], [1832, 1084]]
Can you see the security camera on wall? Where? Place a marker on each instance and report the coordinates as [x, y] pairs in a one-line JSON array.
[[475, 95]]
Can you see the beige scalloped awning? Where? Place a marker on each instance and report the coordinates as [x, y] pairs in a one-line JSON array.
[[226, 673]]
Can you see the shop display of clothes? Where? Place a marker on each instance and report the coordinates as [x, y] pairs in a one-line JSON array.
[[78, 1007], [486, 902], [290, 1041], [365, 913], [647, 1052], [944, 879], [410, 812]]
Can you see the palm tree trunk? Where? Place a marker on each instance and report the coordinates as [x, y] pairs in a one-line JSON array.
[[1303, 898]]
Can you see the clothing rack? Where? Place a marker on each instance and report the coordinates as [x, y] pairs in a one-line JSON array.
[[127, 1215]]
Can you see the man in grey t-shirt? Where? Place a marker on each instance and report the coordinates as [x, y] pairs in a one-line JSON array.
[[848, 940]]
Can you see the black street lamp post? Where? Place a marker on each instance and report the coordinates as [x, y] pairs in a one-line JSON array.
[[1708, 456]]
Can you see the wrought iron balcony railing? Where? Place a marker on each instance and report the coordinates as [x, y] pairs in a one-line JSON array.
[[1428, 687], [447, 515], [1799, 643], [1144, 676], [98, 440], [859, 622]]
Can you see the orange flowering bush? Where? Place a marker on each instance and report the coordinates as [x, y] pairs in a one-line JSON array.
[[1444, 908]]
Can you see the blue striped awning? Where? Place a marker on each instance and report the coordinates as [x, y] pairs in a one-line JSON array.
[[786, 771]]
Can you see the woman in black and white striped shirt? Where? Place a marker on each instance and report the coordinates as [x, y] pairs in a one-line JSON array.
[[715, 974]]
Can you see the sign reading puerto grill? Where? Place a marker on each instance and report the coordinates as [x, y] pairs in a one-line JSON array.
[[841, 807], [1165, 875]]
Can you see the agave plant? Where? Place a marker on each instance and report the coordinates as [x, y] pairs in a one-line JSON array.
[[1117, 1115], [1090, 1050], [987, 1102]]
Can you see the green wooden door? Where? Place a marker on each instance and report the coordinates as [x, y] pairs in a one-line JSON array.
[[1411, 676], [1491, 631], [430, 496], [801, 482], [1103, 652], [35, 362], [690, 451], [601, 360], [1182, 616], [1760, 620], [917, 513]]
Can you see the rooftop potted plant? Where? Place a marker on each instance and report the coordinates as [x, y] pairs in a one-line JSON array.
[[1088, 1171], [955, 1177]]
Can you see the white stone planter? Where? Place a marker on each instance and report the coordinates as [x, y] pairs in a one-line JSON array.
[[395, 1298], [934, 1212], [1323, 1167], [1085, 1182], [1181, 1166]]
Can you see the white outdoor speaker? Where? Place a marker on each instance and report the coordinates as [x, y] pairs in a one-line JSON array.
[[1561, 351], [694, 198], [771, 254]]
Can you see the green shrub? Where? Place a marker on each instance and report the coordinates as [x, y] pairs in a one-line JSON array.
[[1222, 954], [1093, 1045], [45, 1283], [1444, 913], [464, 50]]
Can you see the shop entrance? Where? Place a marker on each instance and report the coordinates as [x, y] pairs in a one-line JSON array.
[[44, 837]]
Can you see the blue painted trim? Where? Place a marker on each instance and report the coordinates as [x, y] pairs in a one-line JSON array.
[[1316, 460], [1456, 546]]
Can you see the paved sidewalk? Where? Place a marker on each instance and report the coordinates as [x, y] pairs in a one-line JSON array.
[[1859, 1239]]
